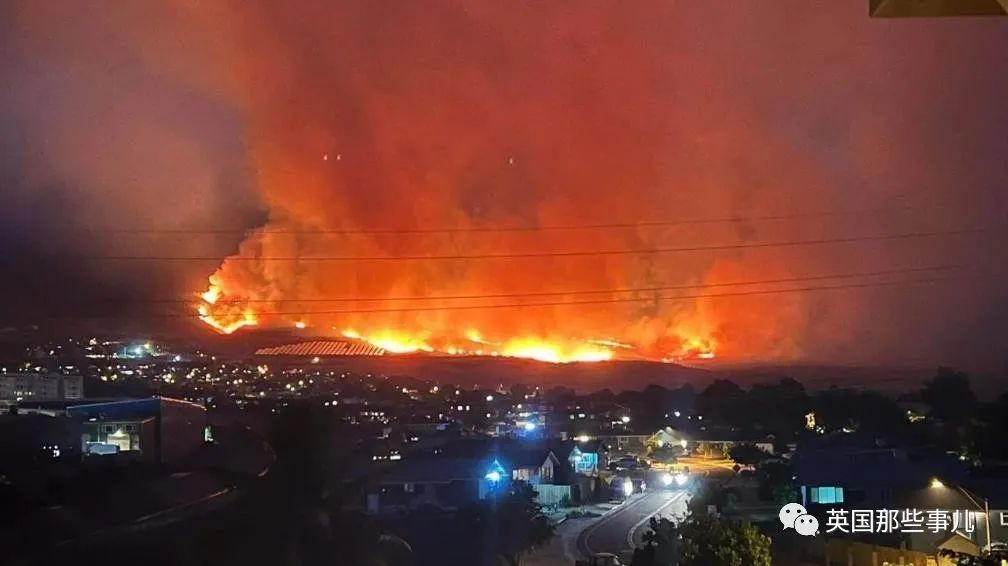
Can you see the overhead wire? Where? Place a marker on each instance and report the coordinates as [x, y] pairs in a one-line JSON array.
[[599, 291], [552, 254], [600, 301], [492, 229]]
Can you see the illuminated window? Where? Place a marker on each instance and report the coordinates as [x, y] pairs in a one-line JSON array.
[[827, 495]]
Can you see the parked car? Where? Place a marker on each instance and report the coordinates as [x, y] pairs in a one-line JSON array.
[[623, 487], [626, 463]]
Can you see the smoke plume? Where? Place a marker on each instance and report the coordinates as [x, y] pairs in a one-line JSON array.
[[362, 127]]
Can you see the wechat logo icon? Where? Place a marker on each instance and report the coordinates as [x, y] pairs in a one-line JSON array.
[[794, 516]]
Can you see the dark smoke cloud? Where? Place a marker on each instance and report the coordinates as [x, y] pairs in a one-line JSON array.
[[403, 114], [94, 137]]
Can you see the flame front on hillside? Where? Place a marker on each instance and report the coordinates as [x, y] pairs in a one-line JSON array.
[[227, 316]]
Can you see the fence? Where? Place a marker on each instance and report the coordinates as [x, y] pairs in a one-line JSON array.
[[841, 552], [549, 494]]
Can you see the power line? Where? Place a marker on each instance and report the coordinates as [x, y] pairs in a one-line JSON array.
[[609, 301], [670, 298], [519, 255], [477, 229], [876, 273]]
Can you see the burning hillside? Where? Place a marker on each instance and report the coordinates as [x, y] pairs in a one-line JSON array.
[[420, 200], [227, 318], [559, 181], [502, 180]]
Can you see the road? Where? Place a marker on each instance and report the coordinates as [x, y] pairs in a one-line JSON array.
[[616, 531], [711, 466]]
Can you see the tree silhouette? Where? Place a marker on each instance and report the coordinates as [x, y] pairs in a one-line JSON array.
[[747, 454], [702, 541], [507, 527], [949, 396]]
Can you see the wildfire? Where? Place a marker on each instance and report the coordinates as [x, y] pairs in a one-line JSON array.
[[391, 341], [611, 343], [530, 348], [226, 315], [227, 325], [224, 319], [545, 351], [692, 349], [211, 295], [474, 336]]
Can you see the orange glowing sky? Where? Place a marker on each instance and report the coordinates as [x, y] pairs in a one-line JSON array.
[[356, 129]]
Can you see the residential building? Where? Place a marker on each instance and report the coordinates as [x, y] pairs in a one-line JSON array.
[[444, 482], [40, 387], [454, 472], [151, 429], [844, 469]]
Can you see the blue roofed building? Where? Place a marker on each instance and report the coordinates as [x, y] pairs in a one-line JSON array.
[[156, 429]]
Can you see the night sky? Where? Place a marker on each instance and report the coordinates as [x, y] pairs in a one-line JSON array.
[[208, 130]]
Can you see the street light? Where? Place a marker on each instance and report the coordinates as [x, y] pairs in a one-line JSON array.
[[975, 500]]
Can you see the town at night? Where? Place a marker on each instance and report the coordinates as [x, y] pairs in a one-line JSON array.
[[497, 283]]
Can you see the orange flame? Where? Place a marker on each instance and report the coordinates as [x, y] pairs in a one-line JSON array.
[[226, 315], [692, 349], [530, 347], [546, 351], [394, 342], [225, 319], [227, 325]]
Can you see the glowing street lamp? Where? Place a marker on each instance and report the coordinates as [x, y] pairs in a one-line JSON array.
[[985, 507]]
